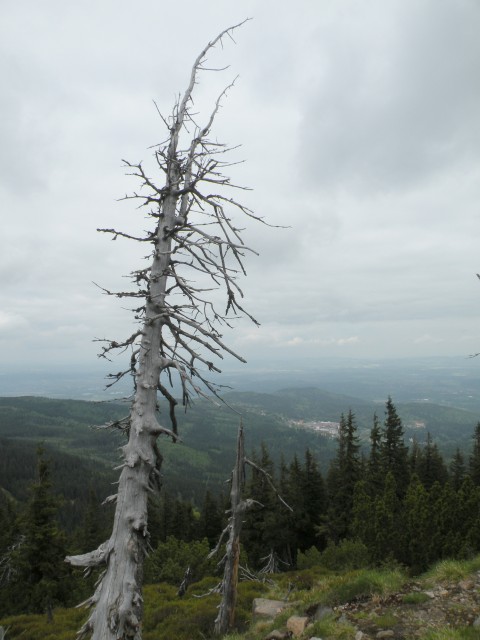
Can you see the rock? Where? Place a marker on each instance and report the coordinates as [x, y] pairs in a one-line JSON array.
[[476, 624], [385, 634], [278, 635], [297, 625], [264, 608], [322, 612], [360, 635], [466, 585]]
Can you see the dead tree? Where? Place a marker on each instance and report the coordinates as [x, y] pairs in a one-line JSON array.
[[238, 507], [196, 247]]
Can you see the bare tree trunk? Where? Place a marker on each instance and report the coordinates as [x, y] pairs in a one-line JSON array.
[[174, 338], [238, 506], [226, 612]]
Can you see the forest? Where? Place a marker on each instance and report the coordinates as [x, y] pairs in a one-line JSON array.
[[384, 502]]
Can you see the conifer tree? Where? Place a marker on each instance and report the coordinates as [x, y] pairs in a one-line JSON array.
[[211, 519], [363, 514], [446, 520], [41, 579], [387, 544], [315, 501], [431, 467], [393, 452], [260, 528], [342, 477], [468, 511], [375, 475], [417, 526], [457, 470]]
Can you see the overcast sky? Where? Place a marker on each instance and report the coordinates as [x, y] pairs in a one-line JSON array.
[[360, 130]]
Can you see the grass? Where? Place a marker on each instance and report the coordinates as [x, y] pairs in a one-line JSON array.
[[416, 597], [451, 570], [191, 618], [355, 585], [331, 628], [463, 633]]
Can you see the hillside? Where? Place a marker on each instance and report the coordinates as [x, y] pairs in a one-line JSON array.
[[203, 459], [350, 604]]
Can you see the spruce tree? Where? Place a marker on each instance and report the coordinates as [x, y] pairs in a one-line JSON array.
[[260, 528], [393, 452], [431, 467], [211, 519], [41, 579], [375, 475], [417, 527], [343, 474], [363, 514], [457, 470], [387, 544], [315, 501]]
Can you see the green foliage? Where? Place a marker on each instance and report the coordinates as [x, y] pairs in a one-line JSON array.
[[64, 626], [336, 589], [451, 570], [416, 597], [190, 617], [392, 449], [342, 477], [463, 633], [38, 577], [311, 558], [331, 628], [347, 555], [171, 559], [350, 586]]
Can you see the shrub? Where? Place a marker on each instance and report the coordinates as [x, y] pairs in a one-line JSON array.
[[170, 560], [311, 558], [348, 555]]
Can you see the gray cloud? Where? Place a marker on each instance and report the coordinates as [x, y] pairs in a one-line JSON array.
[[360, 133], [396, 98]]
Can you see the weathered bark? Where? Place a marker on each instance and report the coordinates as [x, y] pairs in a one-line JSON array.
[[238, 506], [226, 611], [174, 337]]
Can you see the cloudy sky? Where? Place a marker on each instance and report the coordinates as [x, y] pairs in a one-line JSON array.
[[360, 130]]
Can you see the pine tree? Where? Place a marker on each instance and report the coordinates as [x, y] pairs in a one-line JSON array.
[[387, 544], [211, 519], [363, 514], [315, 501], [417, 526], [375, 475], [457, 470], [42, 579], [342, 477], [431, 467], [260, 534], [468, 510], [446, 519], [393, 452]]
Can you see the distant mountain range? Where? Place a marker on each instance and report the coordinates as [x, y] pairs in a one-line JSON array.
[[205, 456]]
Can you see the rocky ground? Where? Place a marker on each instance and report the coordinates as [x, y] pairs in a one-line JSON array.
[[409, 614], [413, 611]]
